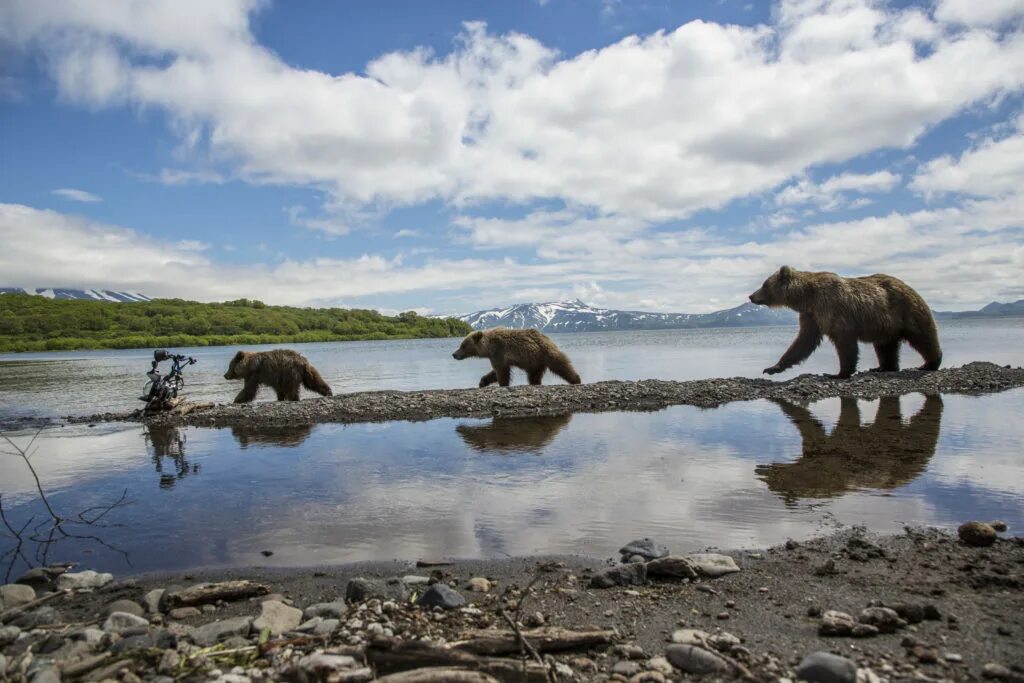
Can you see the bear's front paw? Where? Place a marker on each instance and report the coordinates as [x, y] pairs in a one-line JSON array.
[[773, 370]]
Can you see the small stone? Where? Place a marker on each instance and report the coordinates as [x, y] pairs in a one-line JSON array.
[[825, 667], [361, 589], [996, 670], [3, 667], [626, 668], [661, 665], [690, 636], [1004, 630], [884, 619], [835, 623], [647, 677], [672, 566], [180, 613], [37, 617], [118, 622], [647, 548], [46, 674], [414, 580], [326, 627], [635, 559], [320, 666], [629, 651], [15, 595], [722, 616], [8, 634], [977, 534], [864, 631], [479, 584], [712, 564], [925, 654], [913, 614], [327, 610], [41, 577], [441, 595], [83, 580], [210, 634], [696, 660], [278, 617], [998, 525], [724, 642], [126, 606], [583, 665], [209, 609], [621, 575], [953, 657], [152, 600]]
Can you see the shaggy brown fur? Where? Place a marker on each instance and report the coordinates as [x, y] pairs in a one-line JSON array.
[[526, 349], [877, 309], [283, 370]]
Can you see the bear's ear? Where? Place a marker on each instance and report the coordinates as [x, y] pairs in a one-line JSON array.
[[477, 336], [785, 273], [238, 357]]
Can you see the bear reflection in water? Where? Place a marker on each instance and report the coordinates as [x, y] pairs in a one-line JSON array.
[[288, 436], [885, 454], [168, 442], [513, 435]]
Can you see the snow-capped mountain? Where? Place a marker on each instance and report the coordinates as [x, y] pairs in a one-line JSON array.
[[94, 294], [576, 316]]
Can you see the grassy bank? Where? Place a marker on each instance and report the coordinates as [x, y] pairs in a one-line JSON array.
[[35, 323]]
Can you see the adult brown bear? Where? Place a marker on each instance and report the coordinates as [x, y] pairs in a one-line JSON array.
[[283, 370], [527, 349], [877, 309]]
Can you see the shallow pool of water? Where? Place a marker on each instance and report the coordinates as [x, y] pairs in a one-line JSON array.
[[742, 475]]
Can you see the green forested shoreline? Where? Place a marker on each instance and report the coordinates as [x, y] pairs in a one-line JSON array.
[[35, 323]]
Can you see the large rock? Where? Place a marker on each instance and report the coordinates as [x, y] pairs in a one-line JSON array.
[[322, 667], [119, 622], [16, 595], [327, 610], [87, 580], [696, 660], [42, 577], [825, 667], [278, 617], [646, 548], [127, 606], [977, 534], [835, 623], [37, 617], [672, 566], [690, 636], [361, 589], [712, 564], [8, 634], [211, 634], [441, 595], [633, 574]]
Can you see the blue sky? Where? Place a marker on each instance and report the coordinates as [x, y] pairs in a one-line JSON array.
[[452, 156]]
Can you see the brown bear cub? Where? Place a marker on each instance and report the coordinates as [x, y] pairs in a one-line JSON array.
[[283, 370], [526, 349], [877, 309]]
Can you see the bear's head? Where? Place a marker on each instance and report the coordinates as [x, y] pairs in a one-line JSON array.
[[470, 346], [237, 366], [776, 289]]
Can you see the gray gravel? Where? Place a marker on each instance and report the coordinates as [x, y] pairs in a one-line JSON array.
[[562, 399]]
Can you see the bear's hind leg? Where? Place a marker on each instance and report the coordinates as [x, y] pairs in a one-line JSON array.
[[888, 356], [848, 351], [927, 344], [504, 375], [536, 375]]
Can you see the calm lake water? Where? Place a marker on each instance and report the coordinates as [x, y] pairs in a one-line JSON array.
[[743, 475], [87, 382]]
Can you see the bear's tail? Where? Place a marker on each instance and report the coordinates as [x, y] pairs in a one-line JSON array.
[[312, 380], [562, 366]]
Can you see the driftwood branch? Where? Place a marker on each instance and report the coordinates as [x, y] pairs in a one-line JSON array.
[[390, 656], [439, 675], [16, 611], [545, 639], [205, 593]]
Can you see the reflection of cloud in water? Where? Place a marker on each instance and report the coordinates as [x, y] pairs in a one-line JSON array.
[[885, 454], [287, 436], [505, 435]]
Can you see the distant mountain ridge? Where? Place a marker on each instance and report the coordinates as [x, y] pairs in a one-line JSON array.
[[90, 294], [576, 316]]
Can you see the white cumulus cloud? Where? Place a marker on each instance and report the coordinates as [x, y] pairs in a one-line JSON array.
[[76, 195]]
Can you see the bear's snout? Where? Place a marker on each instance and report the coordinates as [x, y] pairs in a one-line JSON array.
[[456, 356], [757, 297], [227, 375]]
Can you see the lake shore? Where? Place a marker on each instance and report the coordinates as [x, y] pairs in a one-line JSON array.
[[923, 605], [521, 401]]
